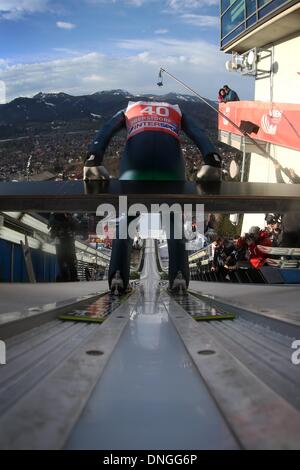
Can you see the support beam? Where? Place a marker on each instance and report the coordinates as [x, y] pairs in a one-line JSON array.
[[78, 196]]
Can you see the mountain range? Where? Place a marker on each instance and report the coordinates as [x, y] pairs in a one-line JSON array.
[[46, 111]]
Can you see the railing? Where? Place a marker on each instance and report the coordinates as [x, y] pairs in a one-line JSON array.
[[285, 262], [206, 252], [282, 267]]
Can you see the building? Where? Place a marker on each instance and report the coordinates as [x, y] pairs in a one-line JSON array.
[[263, 37]]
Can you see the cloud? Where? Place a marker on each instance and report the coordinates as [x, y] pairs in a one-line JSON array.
[[66, 51], [16, 9], [175, 5], [65, 25], [183, 5], [94, 78], [161, 31], [187, 11], [200, 20], [198, 63], [135, 3]]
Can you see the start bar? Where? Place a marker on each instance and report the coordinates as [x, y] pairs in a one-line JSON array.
[[80, 196]]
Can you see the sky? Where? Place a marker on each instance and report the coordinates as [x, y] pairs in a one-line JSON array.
[[85, 46]]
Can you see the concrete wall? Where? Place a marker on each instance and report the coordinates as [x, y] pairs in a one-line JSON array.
[[282, 87], [284, 83]]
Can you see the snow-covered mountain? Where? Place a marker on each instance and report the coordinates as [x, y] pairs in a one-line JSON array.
[[62, 107]]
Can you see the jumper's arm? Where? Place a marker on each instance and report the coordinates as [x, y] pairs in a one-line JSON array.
[[104, 136], [198, 136]]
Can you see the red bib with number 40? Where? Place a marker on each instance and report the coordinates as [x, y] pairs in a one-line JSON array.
[[152, 116]]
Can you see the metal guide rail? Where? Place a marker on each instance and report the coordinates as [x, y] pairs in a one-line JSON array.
[[37, 354], [245, 363], [202, 310], [262, 343], [76, 196], [94, 312]]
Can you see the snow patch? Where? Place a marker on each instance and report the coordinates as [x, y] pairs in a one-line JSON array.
[[183, 98]]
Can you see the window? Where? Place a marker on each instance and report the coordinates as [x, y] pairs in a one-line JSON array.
[[269, 7], [250, 7], [261, 3], [225, 4], [239, 15], [250, 21], [233, 17], [234, 34]]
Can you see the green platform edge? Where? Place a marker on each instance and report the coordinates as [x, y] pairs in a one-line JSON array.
[[224, 314], [66, 317]]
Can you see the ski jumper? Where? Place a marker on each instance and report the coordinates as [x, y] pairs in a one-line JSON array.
[[152, 152]]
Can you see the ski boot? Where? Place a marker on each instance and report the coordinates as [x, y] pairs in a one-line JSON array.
[[117, 284], [179, 284]]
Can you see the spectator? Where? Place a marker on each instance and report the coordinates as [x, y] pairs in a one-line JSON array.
[[237, 258], [230, 95], [210, 236], [252, 239], [273, 226], [216, 249], [221, 95], [194, 224], [210, 222], [223, 249], [293, 177], [87, 274]]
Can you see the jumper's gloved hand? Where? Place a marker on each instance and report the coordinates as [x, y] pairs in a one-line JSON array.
[[93, 171], [211, 170]]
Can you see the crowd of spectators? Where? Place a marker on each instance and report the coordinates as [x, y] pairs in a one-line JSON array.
[[240, 252], [243, 252]]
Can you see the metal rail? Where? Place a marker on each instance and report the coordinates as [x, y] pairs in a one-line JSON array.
[[77, 196], [255, 349], [247, 386]]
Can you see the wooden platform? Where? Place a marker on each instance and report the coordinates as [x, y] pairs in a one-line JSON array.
[[78, 196]]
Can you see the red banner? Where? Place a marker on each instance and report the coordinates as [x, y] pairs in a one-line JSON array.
[[279, 123]]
